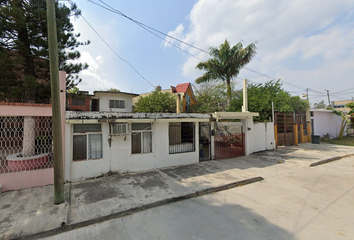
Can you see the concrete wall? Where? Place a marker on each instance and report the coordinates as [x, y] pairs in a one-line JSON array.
[[118, 157], [261, 137], [41, 177], [326, 122], [104, 102]]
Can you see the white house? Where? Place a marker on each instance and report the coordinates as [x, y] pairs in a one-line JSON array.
[[113, 101], [110, 101], [99, 142], [325, 122]]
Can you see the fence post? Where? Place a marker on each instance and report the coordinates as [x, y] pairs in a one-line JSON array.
[[309, 132], [276, 135], [301, 132], [296, 135]]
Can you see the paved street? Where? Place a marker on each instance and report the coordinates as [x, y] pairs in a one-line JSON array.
[[293, 202]]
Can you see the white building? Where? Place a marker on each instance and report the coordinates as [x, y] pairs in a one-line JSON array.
[[325, 122], [100, 101], [99, 142], [113, 101]]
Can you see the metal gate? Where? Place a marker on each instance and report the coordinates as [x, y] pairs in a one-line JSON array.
[[229, 140], [204, 141], [285, 129]]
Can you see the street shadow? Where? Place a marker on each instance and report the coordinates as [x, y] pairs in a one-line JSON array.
[[208, 217]]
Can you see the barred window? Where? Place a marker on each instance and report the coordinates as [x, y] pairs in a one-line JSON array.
[[78, 101], [181, 137], [116, 104]]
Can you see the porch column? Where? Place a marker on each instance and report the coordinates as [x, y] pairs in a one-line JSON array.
[[247, 123], [212, 141]]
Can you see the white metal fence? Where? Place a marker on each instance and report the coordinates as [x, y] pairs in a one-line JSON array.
[[25, 143]]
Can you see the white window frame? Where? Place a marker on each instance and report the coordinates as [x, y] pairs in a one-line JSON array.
[[142, 138], [87, 144], [115, 100], [119, 126]]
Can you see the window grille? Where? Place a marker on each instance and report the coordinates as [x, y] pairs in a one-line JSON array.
[[116, 104], [25, 143], [181, 137], [78, 101]]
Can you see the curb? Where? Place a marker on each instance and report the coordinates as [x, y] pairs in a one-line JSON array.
[[67, 228], [330, 160]]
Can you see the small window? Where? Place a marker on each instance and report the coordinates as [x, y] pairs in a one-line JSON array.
[[181, 137], [116, 104], [141, 138], [78, 101], [188, 103], [119, 129], [87, 142]]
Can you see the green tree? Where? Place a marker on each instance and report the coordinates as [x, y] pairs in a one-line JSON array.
[[345, 117], [113, 90], [156, 102], [260, 98], [23, 40], [225, 63], [320, 105], [211, 97]]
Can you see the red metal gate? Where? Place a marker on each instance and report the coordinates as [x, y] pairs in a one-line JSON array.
[[229, 141]]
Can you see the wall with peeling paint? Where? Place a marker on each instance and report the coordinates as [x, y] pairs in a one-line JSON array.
[[118, 157]]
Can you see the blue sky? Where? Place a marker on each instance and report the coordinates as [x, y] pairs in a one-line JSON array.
[[306, 43]]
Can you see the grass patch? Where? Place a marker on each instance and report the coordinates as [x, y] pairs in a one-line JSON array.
[[346, 140]]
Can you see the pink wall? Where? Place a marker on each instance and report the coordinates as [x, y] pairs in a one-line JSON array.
[[27, 179], [36, 178]]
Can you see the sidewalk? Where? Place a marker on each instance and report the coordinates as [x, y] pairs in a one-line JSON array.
[[31, 211]]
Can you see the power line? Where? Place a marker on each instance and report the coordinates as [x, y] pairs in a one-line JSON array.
[[124, 60], [147, 29], [150, 29]]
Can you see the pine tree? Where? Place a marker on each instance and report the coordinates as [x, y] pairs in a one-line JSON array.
[[24, 65]]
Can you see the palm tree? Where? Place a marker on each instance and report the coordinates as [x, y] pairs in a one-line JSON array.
[[226, 63]]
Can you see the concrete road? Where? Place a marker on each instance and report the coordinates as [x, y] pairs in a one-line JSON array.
[[306, 203]]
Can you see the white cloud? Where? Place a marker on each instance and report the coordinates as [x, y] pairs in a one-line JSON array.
[[177, 33], [91, 79], [305, 42]]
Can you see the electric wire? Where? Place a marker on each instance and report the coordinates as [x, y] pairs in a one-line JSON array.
[[146, 28], [150, 29], [124, 60]]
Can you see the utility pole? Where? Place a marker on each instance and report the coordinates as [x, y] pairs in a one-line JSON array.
[[55, 92], [329, 101], [307, 93]]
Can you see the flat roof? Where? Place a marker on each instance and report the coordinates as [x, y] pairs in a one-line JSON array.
[[133, 94], [87, 117], [234, 115]]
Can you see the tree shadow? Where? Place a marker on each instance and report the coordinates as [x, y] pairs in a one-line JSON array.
[[208, 217]]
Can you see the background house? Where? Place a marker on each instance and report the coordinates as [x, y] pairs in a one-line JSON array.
[[340, 105], [110, 101], [183, 92]]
